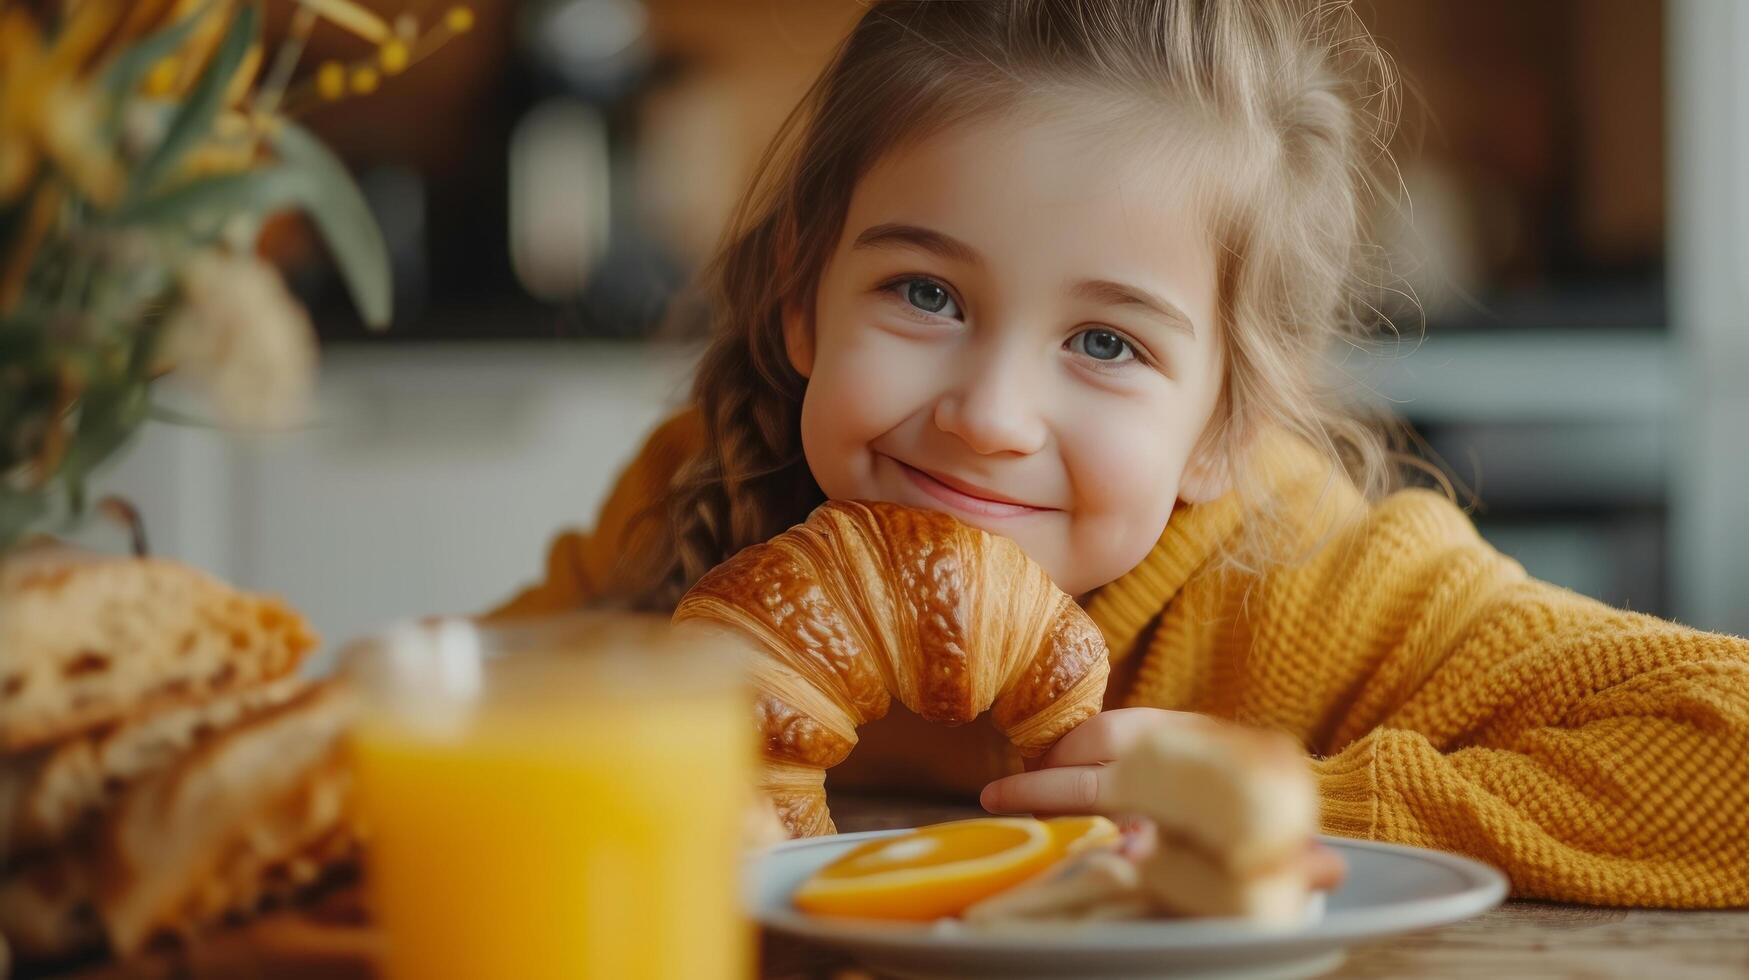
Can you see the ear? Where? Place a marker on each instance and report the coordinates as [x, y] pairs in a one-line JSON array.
[[798, 339], [1207, 476]]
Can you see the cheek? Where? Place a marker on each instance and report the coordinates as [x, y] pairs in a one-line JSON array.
[[1126, 468], [1121, 471], [864, 384]]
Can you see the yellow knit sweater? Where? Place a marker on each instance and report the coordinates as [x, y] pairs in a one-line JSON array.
[[1446, 699]]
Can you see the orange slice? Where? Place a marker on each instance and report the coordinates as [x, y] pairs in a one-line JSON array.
[[1072, 835], [931, 872]]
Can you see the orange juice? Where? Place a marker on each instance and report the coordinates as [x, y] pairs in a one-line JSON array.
[[594, 836]]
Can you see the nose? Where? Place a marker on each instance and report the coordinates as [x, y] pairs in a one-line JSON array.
[[991, 408]]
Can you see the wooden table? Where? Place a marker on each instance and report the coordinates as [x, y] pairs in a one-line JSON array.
[[1519, 939]]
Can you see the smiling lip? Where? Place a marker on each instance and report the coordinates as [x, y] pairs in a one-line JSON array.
[[966, 497]]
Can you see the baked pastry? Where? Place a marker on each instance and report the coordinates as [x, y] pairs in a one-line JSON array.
[[49, 794], [89, 640], [864, 602], [255, 812], [49, 906], [1235, 810], [250, 799]]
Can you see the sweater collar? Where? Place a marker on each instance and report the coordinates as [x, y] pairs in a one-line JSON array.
[[1194, 535], [1286, 469]]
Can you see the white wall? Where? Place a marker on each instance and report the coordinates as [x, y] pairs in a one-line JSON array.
[[1709, 298], [430, 483]]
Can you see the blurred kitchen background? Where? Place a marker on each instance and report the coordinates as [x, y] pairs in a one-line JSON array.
[[1579, 241]]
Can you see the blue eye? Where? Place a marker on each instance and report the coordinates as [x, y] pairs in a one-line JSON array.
[[929, 296], [1102, 345]]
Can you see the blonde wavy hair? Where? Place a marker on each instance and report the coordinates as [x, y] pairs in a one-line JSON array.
[[1291, 103]]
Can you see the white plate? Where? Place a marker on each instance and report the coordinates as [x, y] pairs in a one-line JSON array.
[[1389, 890]]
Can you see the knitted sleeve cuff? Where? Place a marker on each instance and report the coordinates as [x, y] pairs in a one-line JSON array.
[[1348, 789]]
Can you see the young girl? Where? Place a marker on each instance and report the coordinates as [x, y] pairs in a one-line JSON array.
[[1067, 271]]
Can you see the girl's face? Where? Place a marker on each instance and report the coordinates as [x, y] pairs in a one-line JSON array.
[[1017, 327]]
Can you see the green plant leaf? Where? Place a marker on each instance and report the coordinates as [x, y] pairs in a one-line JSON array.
[[23, 340], [319, 186], [20, 510], [108, 417], [194, 118], [343, 217], [124, 73], [261, 191]]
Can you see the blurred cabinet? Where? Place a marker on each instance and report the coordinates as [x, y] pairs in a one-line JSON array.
[[1578, 242]]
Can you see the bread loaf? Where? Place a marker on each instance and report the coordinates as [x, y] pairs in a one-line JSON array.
[[89, 641]]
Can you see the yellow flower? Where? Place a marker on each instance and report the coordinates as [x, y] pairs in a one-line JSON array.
[[71, 135], [23, 63], [145, 17], [393, 56], [161, 80], [47, 110], [192, 58], [331, 80], [244, 80], [399, 46], [364, 79], [213, 159]]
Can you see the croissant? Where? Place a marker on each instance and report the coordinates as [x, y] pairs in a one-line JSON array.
[[864, 602]]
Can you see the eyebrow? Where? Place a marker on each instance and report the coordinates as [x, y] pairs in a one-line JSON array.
[[911, 236], [1110, 293], [1102, 291]]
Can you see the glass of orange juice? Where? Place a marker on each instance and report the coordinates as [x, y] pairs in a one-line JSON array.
[[561, 798]]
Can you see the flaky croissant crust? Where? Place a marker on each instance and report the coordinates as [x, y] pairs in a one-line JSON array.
[[864, 602]]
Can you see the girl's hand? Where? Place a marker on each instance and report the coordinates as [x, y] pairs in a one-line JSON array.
[[1072, 778]]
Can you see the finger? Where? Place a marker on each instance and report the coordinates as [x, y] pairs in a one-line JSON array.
[[1103, 737], [1325, 868], [1072, 789]]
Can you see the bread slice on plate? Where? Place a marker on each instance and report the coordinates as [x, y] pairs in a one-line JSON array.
[[46, 908], [1235, 809], [1183, 881], [253, 813], [90, 640], [235, 807], [48, 795]]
